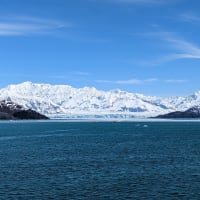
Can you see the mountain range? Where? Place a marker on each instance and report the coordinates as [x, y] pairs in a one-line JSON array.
[[67, 101]]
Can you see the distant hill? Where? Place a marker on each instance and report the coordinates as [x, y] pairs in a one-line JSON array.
[[193, 112], [10, 110]]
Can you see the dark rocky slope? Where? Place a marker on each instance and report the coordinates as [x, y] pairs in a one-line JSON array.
[[10, 110], [193, 112]]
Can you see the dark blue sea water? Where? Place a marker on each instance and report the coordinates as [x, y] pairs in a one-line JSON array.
[[102, 160]]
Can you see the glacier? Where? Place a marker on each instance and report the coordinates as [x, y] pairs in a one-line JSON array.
[[64, 101]]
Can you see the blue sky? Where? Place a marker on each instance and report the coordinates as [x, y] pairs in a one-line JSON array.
[[143, 46]]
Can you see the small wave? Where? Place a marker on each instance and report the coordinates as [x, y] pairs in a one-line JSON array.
[[8, 138], [55, 131], [30, 136]]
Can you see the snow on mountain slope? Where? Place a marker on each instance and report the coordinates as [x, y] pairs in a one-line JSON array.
[[66, 100]]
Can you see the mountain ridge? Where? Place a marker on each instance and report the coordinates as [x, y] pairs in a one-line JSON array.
[[66, 100], [193, 112], [12, 111]]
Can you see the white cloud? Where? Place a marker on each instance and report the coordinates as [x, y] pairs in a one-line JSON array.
[[16, 26]]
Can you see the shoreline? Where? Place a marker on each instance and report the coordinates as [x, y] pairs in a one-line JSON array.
[[94, 120]]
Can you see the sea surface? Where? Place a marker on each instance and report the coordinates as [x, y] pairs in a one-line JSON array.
[[100, 160]]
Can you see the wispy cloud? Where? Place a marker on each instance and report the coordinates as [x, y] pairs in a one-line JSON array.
[[18, 26], [183, 49], [176, 81], [15, 75], [189, 17], [141, 2], [187, 49], [80, 73], [73, 76], [128, 82], [142, 81], [180, 49], [60, 77]]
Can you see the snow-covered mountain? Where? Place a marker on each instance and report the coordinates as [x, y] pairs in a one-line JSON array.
[[64, 100]]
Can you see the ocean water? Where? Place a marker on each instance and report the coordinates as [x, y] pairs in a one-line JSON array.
[[100, 160]]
